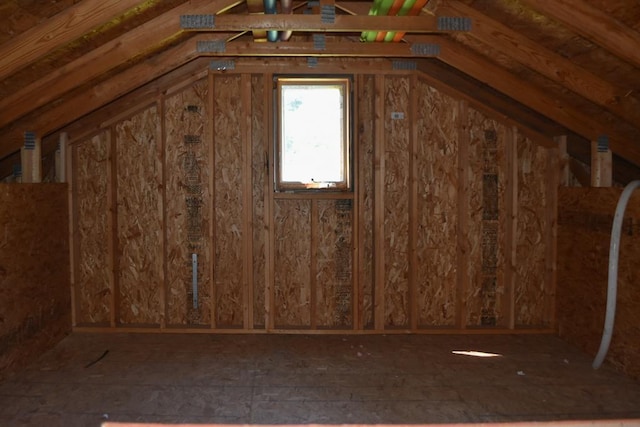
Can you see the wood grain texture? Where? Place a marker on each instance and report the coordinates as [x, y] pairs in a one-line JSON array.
[[396, 203], [186, 205], [228, 196], [139, 213], [292, 252], [92, 282], [437, 202], [35, 305], [584, 231]]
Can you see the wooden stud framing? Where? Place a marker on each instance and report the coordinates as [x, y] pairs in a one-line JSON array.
[[551, 234], [601, 166], [31, 160], [247, 211], [413, 204], [378, 216], [563, 160], [162, 154], [61, 157], [73, 239], [269, 296], [356, 322], [113, 256], [462, 251], [212, 204], [511, 157], [313, 268]]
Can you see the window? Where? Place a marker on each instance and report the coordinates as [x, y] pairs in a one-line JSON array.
[[312, 150]]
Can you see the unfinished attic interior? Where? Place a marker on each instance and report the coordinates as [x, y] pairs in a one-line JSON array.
[[318, 212]]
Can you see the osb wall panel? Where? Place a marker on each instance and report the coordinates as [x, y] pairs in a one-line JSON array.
[[531, 245], [92, 280], [437, 174], [365, 105], [396, 201], [139, 178], [35, 303], [585, 218], [334, 267], [228, 195], [187, 201], [486, 214], [259, 135], [292, 252]]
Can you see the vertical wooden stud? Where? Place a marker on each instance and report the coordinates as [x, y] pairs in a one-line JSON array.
[[313, 268], [601, 163], [563, 160], [61, 157], [553, 178], [247, 211], [31, 158], [270, 238], [413, 203], [112, 220], [161, 146], [356, 287], [378, 215], [211, 140], [511, 157], [73, 240], [462, 251]]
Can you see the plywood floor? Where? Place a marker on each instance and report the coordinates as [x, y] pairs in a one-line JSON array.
[[290, 379]]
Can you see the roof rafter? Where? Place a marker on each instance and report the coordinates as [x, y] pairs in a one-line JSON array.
[[594, 25], [548, 63], [58, 30]]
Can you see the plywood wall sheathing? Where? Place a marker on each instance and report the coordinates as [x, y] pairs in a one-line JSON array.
[[139, 219], [292, 252], [334, 264], [396, 201], [365, 139], [92, 279], [437, 207], [228, 196], [531, 289], [186, 205], [259, 138]]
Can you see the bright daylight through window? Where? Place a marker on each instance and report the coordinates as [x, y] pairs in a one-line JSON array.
[[313, 134]]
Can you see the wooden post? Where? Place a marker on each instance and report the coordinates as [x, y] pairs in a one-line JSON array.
[[31, 157], [113, 247], [211, 103], [73, 244], [554, 167], [413, 205], [511, 224], [601, 159], [378, 209], [247, 202], [462, 251], [61, 157], [269, 229], [563, 160], [313, 267]]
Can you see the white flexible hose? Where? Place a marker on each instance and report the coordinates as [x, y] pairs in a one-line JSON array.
[[612, 289]]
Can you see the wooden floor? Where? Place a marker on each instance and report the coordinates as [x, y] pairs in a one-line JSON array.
[[295, 379]]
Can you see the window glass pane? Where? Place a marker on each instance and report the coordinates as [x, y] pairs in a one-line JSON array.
[[313, 134]]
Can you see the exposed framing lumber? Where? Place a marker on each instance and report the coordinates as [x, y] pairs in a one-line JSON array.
[[378, 205], [594, 25], [351, 49], [554, 167], [211, 103], [510, 136], [99, 95], [313, 23], [162, 155], [563, 160], [313, 267], [413, 204], [62, 28], [73, 235], [601, 166], [113, 256], [102, 59], [31, 160], [247, 202], [462, 233], [269, 211], [61, 157], [547, 63], [498, 78]]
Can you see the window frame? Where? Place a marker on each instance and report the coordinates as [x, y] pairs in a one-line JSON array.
[[345, 185]]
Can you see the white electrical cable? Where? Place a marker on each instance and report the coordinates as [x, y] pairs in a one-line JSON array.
[[612, 289]]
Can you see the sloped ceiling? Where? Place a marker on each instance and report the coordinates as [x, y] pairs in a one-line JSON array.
[[561, 67]]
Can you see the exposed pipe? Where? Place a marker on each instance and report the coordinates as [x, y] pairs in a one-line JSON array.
[[612, 289]]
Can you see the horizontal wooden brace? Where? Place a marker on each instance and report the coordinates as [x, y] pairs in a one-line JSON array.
[[315, 23], [331, 49]]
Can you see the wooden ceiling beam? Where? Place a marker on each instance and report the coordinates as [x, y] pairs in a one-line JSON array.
[[99, 95], [594, 25], [139, 40], [313, 23], [483, 70], [353, 49], [60, 29], [547, 63]]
